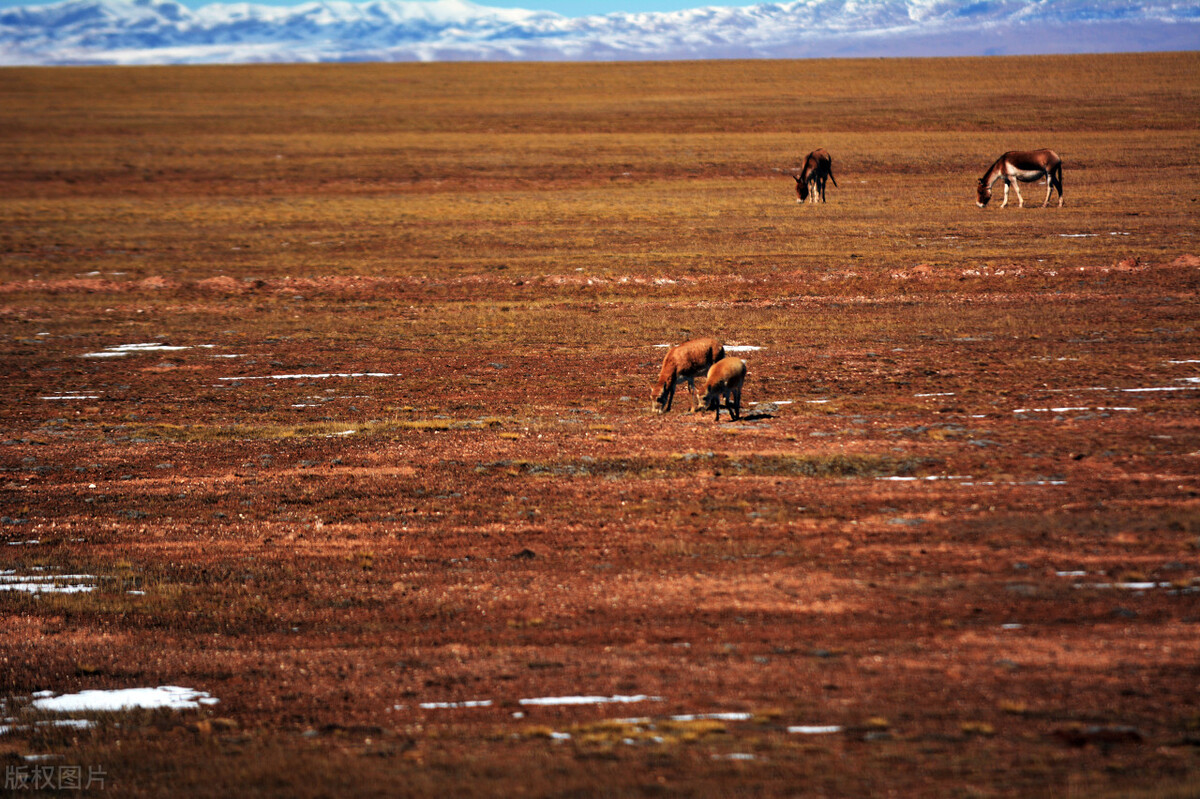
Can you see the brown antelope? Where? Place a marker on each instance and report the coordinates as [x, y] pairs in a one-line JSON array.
[[818, 167], [1025, 167], [724, 381], [684, 362]]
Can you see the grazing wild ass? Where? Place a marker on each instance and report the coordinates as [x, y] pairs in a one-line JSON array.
[[724, 381], [687, 361], [1025, 167], [818, 167]]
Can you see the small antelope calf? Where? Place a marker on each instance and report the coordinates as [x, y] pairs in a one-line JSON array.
[[724, 381], [686, 361]]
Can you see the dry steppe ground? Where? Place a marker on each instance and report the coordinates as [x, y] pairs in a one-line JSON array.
[[389, 443]]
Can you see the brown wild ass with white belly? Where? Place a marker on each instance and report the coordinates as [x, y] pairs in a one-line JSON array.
[[1024, 167], [684, 362], [818, 167], [724, 381]]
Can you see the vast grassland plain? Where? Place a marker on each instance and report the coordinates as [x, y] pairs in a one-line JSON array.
[[382, 469]]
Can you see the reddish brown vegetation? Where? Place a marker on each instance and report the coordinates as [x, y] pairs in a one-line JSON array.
[[404, 462]]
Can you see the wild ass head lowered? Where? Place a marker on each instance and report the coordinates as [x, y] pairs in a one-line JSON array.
[[818, 167], [1022, 167]]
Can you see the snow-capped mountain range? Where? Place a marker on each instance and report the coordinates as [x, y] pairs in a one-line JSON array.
[[165, 32]]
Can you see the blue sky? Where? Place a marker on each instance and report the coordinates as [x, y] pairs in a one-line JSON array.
[[570, 8]]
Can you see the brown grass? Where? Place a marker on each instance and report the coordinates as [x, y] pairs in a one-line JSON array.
[[508, 243]]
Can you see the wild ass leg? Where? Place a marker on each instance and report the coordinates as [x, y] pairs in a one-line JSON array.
[[1055, 178], [1005, 203], [692, 389], [1016, 184]]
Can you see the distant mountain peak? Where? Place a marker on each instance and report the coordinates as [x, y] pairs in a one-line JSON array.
[[166, 32]]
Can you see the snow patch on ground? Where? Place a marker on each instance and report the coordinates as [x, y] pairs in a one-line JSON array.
[[544, 701], [450, 705], [47, 583], [121, 350], [315, 376], [74, 724], [930, 478], [1070, 409], [171, 697]]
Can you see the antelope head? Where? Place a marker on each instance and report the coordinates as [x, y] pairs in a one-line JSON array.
[[658, 399]]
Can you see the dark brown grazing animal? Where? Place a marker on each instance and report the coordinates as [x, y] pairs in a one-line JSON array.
[[724, 381], [686, 361], [818, 167], [1024, 167]]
